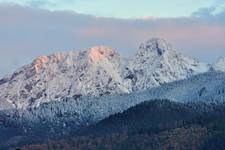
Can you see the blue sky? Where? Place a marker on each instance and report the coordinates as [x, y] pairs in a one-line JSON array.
[[30, 28], [122, 8]]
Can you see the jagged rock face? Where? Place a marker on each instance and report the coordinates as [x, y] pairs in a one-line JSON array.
[[97, 71], [219, 65], [156, 62]]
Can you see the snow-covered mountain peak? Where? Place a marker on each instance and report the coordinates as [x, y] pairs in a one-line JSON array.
[[155, 45], [219, 65], [95, 71], [67, 59], [97, 53], [157, 62]]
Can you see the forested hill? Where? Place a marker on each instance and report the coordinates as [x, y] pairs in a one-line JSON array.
[[158, 124]]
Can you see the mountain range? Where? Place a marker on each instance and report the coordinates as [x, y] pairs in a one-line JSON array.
[[66, 92], [97, 71]]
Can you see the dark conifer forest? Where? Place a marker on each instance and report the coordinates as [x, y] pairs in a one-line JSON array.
[[156, 125]]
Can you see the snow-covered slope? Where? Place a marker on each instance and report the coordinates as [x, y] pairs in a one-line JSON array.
[[72, 113], [95, 72]]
